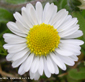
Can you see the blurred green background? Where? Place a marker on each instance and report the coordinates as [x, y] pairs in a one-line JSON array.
[[76, 73]]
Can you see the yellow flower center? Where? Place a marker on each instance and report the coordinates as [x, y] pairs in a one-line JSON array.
[[42, 39]]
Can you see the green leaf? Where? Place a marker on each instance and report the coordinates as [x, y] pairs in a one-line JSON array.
[[5, 15], [61, 4], [82, 12], [81, 20], [72, 80], [77, 75], [2, 50], [73, 4], [76, 2], [82, 68], [15, 1]]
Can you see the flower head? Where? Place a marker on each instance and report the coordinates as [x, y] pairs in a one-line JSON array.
[[43, 40]]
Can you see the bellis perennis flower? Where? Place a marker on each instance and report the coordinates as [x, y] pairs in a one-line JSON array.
[[43, 40]]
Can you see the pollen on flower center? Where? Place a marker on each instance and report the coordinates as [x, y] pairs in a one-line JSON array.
[[42, 39]]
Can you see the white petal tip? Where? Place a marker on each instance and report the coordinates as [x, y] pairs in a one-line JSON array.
[[3, 35], [7, 58], [20, 73], [82, 43], [23, 8], [13, 66], [38, 2], [4, 47]]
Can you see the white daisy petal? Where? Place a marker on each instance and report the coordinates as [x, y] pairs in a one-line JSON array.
[[21, 70], [69, 31], [13, 39], [75, 51], [56, 69], [25, 16], [39, 12], [70, 47], [19, 61], [31, 75], [28, 18], [64, 52], [7, 46], [67, 60], [75, 35], [19, 18], [21, 27], [68, 24], [47, 73], [33, 15], [35, 65], [41, 66], [78, 53], [45, 10], [19, 54], [51, 10], [34, 76], [60, 17], [13, 27], [74, 58], [28, 62], [55, 18], [72, 41], [58, 61], [50, 65], [37, 75], [16, 48], [9, 57]]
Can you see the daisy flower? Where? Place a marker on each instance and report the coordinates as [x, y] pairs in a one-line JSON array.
[[43, 40]]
